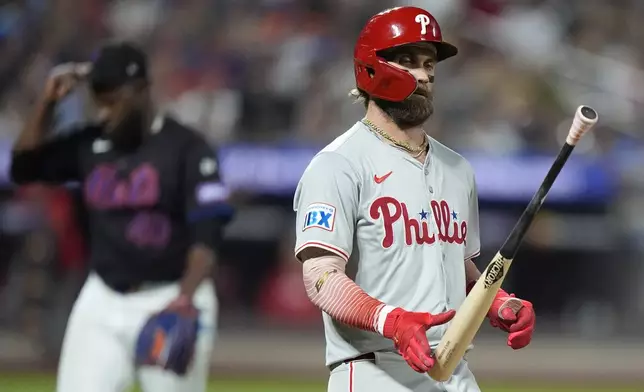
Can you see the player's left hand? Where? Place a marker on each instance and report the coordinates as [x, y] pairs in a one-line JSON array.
[[515, 316], [183, 305]]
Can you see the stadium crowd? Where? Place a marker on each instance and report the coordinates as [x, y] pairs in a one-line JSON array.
[[273, 70]]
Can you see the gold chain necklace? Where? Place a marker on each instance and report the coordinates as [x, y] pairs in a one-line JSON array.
[[416, 152]]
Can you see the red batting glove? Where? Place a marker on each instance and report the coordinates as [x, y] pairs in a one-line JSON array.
[[513, 315], [407, 330]]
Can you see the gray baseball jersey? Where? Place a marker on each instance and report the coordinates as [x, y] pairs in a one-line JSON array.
[[404, 227]]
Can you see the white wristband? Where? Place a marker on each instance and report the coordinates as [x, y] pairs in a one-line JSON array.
[[382, 316]]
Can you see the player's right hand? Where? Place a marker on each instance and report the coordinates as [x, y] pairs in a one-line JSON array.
[[407, 330], [62, 80]]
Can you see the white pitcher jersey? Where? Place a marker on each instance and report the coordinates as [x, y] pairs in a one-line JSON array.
[[405, 228]]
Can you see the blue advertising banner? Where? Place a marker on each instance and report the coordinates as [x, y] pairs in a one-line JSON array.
[[276, 170]]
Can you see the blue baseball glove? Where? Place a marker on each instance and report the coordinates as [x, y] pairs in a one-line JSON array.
[[168, 340]]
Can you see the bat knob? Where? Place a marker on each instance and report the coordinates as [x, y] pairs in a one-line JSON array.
[[589, 113], [585, 118]]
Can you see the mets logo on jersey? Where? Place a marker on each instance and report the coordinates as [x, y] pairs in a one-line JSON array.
[[320, 215], [449, 227]]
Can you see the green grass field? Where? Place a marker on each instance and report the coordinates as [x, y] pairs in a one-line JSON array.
[[45, 383]]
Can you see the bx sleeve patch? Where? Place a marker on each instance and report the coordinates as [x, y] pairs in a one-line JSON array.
[[320, 215]]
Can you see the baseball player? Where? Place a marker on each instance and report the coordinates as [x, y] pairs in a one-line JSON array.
[[156, 207], [387, 223]]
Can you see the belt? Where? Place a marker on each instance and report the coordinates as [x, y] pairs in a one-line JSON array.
[[363, 357], [126, 288]]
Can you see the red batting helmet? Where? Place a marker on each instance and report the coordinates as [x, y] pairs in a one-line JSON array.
[[390, 28]]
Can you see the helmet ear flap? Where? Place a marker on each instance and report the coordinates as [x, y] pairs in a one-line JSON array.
[[393, 84], [383, 80]]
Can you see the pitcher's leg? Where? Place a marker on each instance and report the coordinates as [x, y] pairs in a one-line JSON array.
[[93, 358]]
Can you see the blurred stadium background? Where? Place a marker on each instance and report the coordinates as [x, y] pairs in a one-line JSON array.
[[266, 81]]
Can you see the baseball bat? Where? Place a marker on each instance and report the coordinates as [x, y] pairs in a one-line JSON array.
[[472, 312]]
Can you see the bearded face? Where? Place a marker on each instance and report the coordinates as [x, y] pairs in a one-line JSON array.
[[418, 59], [413, 111]]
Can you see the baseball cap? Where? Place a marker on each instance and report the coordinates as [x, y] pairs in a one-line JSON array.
[[117, 64]]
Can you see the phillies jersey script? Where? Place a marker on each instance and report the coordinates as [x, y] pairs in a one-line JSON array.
[[404, 227]]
